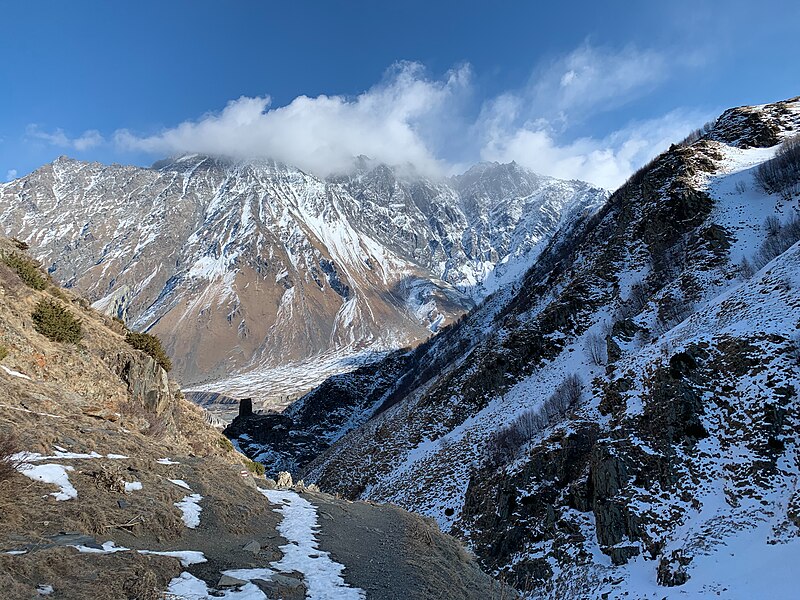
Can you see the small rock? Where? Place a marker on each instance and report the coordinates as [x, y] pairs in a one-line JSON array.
[[253, 547], [282, 586], [122, 504], [228, 581], [284, 480]]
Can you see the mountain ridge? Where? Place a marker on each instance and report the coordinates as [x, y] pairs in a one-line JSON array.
[[248, 266]]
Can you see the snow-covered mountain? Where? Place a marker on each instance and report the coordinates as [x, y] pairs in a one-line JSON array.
[[263, 279], [622, 422]]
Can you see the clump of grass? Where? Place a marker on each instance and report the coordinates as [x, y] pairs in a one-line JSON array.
[[27, 269], [55, 322], [151, 345], [256, 468], [3, 351], [225, 444]]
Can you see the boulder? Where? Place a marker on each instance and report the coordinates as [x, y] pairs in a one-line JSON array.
[[284, 480]]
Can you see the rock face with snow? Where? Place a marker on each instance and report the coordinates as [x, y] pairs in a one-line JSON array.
[[624, 418], [259, 266]]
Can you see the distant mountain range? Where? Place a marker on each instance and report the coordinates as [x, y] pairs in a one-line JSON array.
[[262, 279]]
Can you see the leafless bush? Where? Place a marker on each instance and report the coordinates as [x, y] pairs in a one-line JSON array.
[[672, 312], [772, 225], [8, 449], [781, 175], [794, 347], [567, 395], [504, 445], [740, 187], [780, 237], [696, 134], [637, 299], [746, 268], [595, 346]]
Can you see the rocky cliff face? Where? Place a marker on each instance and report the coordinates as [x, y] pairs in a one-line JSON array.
[[255, 268], [609, 424]]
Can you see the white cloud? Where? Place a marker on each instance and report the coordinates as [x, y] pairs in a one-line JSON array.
[[11, 174], [528, 125], [89, 139], [606, 162], [323, 134], [413, 118]]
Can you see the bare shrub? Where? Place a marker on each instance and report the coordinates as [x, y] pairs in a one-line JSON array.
[[697, 134], [772, 225], [504, 445], [671, 312], [9, 462], [781, 175], [746, 268], [595, 346], [794, 347], [783, 237], [567, 395], [740, 187]]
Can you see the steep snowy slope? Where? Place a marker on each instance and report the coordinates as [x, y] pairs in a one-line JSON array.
[[609, 423], [263, 270]]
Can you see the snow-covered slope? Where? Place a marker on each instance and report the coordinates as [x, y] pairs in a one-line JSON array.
[[676, 451], [270, 276]]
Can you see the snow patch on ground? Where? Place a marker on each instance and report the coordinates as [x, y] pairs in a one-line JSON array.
[[190, 507], [132, 486], [322, 575], [180, 483], [14, 373], [51, 473], [189, 587], [186, 557]]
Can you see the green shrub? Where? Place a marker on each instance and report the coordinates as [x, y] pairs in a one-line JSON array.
[[256, 468], [54, 321], [151, 345], [3, 351], [58, 293], [225, 444], [27, 269]]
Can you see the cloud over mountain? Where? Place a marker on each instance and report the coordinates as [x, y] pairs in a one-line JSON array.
[[413, 118]]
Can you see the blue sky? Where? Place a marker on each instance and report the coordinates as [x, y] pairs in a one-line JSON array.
[[587, 89]]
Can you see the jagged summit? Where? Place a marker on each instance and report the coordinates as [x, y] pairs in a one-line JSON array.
[[263, 272]]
